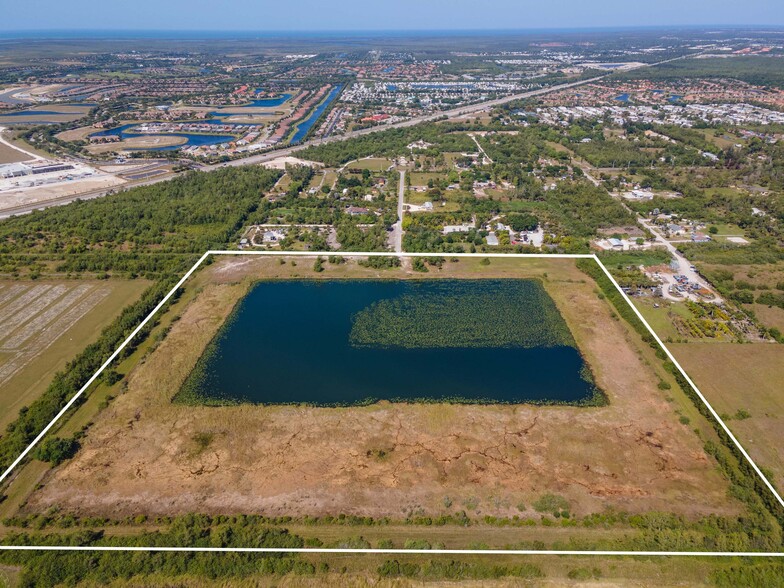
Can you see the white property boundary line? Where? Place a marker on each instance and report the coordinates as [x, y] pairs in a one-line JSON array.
[[201, 260]]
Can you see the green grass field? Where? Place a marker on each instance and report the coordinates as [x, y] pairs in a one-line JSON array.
[[747, 378]]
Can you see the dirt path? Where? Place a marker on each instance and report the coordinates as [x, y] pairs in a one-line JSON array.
[[32, 155], [397, 228], [478, 146], [684, 265]]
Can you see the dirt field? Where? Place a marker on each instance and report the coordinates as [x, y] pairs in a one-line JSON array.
[[766, 276], [372, 163], [10, 139], [34, 118], [43, 325], [11, 152], [748, 377], [78, 134], [281, 162], [770, 316], [10, 155], [41, 194], [147, 455], [145, 142]]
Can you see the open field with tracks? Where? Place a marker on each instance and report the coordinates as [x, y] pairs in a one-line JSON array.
[[145, 454], [44, 324]]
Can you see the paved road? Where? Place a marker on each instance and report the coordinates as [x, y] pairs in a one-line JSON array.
[[453, 113], [684, 265], [287, 151], [27, 208], [397, 228]]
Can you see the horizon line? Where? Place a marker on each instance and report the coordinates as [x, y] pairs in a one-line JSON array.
[[283, 31]]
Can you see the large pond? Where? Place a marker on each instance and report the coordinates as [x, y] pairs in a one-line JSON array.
[[346, 342], [192, 139], [33, 115], [260, 103]]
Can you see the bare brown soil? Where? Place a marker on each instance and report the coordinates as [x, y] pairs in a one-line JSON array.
[[143, 142], [11, 155], [33, 118], [770, 316], [147, 455], [78, 134]]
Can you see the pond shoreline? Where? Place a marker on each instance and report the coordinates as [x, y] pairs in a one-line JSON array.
[[538, 368]]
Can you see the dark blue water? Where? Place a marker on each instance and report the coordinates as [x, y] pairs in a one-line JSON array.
[[305, 125], [41, 112], [261, 103], [218, 121], [269, 102], [675, 98], [288, 342], [220, 115], [192, 139], [34, 113], [622, 98]]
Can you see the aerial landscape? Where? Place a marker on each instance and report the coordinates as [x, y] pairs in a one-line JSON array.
[[392, 295]]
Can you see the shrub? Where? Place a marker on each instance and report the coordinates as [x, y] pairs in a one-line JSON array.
[[550, 503], [417, 544], [56, 450]]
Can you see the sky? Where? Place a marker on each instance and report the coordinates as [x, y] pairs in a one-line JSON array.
[[345, 15]]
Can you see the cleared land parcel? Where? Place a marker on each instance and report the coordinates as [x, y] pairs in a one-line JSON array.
[[146, 454]]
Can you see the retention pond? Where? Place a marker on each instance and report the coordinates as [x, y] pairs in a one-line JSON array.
[[345, 342]]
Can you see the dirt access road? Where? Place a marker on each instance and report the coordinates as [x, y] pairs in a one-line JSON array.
[[397, 228]]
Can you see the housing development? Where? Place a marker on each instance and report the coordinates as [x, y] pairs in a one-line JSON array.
[[391, 309]]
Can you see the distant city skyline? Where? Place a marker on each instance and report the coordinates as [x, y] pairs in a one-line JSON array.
[[397, 15]]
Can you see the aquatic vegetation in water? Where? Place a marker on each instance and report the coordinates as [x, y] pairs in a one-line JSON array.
[[355, 342], [483, 313]]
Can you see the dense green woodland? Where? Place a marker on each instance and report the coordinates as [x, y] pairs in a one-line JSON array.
[[651, 531], [392, 143], [156, 230], [754, 69]]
